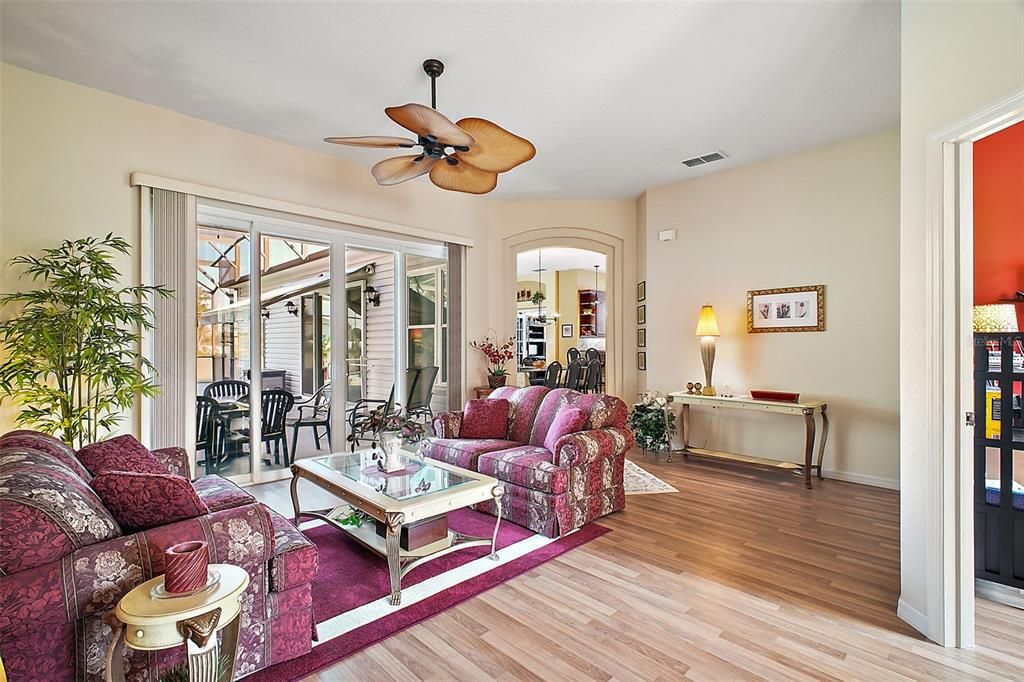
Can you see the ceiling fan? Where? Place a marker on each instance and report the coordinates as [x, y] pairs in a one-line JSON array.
[[465, 156]]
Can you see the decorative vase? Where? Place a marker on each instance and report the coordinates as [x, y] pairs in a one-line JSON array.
[[496, 380], [391, 444], [185, 566]]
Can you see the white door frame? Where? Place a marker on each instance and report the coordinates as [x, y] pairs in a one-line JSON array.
[[948, 379]]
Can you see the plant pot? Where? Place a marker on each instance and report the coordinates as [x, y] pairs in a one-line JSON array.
[[496, 380], [391, 445]]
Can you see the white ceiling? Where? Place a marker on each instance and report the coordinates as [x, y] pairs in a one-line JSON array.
[[614, 95], [558, 258]]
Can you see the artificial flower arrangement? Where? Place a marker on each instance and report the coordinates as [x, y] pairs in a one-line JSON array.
[[497, 356], [653, 423]]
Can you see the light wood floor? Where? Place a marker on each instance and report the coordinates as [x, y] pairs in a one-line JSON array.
[[740, 575]]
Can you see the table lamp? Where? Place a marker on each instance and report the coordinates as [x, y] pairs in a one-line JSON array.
[[707, 330], [995, 318]]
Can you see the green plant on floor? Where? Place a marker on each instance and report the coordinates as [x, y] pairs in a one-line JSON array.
[[71, 345], [653, 423]]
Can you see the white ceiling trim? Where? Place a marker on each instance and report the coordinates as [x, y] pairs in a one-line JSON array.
[[138, 179]]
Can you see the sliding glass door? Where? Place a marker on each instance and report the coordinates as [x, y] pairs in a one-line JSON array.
[[287, 312]]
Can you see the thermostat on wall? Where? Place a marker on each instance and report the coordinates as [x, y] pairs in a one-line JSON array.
[[667, 235]]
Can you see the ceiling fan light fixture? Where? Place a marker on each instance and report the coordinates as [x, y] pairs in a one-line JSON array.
[[486, 148]]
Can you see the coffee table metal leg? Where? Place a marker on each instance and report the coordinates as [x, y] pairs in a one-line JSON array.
[[497, 493], [295, 493], [393, 541]]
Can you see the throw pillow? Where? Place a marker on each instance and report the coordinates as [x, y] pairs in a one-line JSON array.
[[568, 420], [139, 501], [124, 453], [485, 419]]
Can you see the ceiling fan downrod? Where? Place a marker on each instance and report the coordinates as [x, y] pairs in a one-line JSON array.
[[433, 68]]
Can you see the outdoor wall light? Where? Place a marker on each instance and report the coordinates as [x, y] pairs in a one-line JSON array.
[[372, 296], [292, 308]]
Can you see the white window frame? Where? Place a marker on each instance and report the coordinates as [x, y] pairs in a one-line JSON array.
[[440, 272]]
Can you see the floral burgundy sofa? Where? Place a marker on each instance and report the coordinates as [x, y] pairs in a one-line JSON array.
[[549, 490], [67, 557]]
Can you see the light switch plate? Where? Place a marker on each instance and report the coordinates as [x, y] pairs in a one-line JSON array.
[[667, 235]]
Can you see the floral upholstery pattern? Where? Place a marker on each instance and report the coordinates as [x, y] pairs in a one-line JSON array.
[[140, 501], [219, 493], [47, 510], [175, 460], [124, 453], [447, 424], [527, 465], [48, 444], [54, 617], [295, 560], [568, 420], [463, 453], [485, 419], [586, 446], [549, 492]]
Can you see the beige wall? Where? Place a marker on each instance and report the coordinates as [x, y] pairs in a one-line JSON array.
[[67, 152], [828, 216], [956, 59]]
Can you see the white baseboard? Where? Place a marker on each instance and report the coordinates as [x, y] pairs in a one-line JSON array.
[[863, 479], [915, 618], [1004, 594]]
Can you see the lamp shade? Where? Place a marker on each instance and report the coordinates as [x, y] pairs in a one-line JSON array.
[[995, 318], [707, 325]]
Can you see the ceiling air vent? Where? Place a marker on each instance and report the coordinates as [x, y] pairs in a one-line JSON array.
[[706, 158]]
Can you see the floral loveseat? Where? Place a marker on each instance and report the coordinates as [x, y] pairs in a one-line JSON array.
[[65, 561], [549, 492]]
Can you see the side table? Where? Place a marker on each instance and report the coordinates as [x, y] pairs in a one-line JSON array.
[[483, 391], [148, 623]]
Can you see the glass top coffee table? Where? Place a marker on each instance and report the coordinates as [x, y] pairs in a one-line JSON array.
[[417, 499]]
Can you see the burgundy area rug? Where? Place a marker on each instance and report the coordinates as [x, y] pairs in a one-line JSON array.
[[350, 592]]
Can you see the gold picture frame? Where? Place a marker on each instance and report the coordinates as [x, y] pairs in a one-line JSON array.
[[787, 309]]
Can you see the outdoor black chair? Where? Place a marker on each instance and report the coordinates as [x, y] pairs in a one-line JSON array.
[[592, 382], [274, 408], [421, 392], [573, 375], [572, 355], [314, 413], [553, 374], [207, 431], [367, 415], [226, 388]]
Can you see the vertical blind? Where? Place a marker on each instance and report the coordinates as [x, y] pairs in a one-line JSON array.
[[456, 326]]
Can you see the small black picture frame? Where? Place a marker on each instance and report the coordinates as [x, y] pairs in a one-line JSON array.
[[567, 331], [641, 314], [641, 338], [641, 361], [641, 291]]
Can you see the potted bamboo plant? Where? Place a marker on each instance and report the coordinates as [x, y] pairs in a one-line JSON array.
[[71, 357]]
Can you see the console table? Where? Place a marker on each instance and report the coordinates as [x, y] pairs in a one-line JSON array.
[[807, 409]]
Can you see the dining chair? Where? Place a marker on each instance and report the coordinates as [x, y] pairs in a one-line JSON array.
[[275, 405], [572, 355], [226, 388], [553, 374], [592, 381], [314, 413], [207, 431], [573, 375], [592, 354]]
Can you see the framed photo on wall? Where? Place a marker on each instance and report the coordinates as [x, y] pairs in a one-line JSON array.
[[567, 331], [790, 309], [641, 291], [641, 361], [641, 338], [641, 314]]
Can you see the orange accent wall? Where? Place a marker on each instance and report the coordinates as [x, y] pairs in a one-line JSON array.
[[999, 217]]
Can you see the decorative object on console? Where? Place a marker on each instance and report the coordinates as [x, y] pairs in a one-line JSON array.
[[689, 387], [498, 355], [789, 309], [777, 396], [186, 566], [696, 388], [995, 318], [63, 386], [653, 422], [707, 330], [466, 156]]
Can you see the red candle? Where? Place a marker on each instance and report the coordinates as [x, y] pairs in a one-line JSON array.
[[185, 566]]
